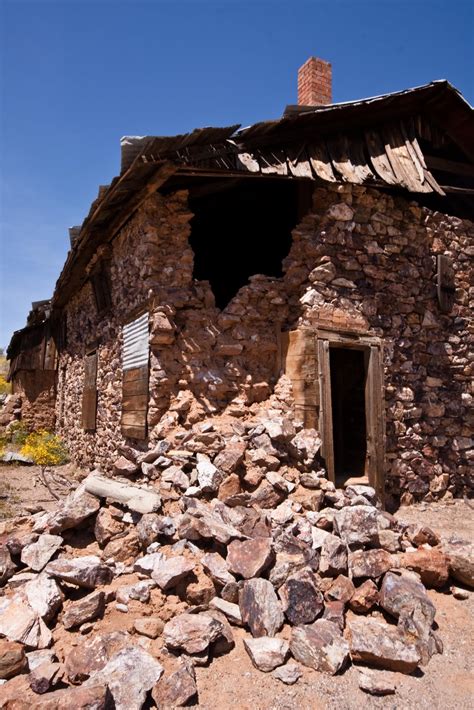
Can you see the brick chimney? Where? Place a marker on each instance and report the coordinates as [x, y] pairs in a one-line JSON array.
[[315, 83]]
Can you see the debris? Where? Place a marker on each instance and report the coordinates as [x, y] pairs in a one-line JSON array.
[[77, 507], [177, 689], [135, 497], [86, 609], [249, 558], [167, 572], [191, 632]]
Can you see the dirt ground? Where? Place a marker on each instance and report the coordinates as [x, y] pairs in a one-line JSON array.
[[231, 681]]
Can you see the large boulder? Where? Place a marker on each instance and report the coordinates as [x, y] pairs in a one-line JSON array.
[[320, 646], [382, 645]]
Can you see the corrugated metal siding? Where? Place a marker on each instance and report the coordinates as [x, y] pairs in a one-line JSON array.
[[135, 343]]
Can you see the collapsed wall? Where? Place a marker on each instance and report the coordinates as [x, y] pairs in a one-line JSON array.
[[360, 260]]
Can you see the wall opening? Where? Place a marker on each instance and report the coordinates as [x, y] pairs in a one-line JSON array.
[[348, 383], [243, 230]]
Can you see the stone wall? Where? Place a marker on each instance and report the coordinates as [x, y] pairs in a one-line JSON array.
[[360, 258], [36, 390]]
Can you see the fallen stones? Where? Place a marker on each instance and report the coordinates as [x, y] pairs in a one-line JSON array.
[[357, 525], [88, 572], [301, 599], [150, 626], [124, 467], [18, 622], [167, 573], [231, 611], [96, 697], [267, 653], [192, 633], [37, 554], [44, 596], [123, 548], [460, 555], [431, 564], [93, 654], [139, 592], [45, 676], [341, 589], [365, 597], [260, 608], [370, 563], [129, 675], [382, 645], [7, 568], [320, 646], [217, 568], [231, 456], [200, 522], [87, 609], [250, 557], [107, 527], [375, 683], [289, 674], [77, 507], [405, 597], [12, 659], [177, 689], [333, 559]]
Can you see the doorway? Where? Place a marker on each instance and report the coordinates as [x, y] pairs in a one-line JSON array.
[[351, 407], [348, 381]]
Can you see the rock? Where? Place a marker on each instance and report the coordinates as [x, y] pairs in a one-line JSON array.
[[460, 556], [375, 683], [7, 568], [87, 609], [36, 658], [177, 689], [230, 490], [107, 527], [140, 592], [381, 645], [200, 522], [421, 535], [320, 646], [209, 477], [93, 654], [176, 476], [146, 564], [357, 525], [122, 548], [250, 557], [341, 589], [87, 572], [301, 599], [124, 467], [77, 507], [231, 456], [217, 568], [355, 490], [334, 611], [333, 560], [168, 572], [149, 528], [370, 563], [404, 596], [129, 675], [44, 596], [12, 659], [305, 445], [82, 698], [225, 642], [389, 540], [260, 608], [37, 554], [278, 428], [364, 597], [151, 626], [192, 633], [18, 622], [231, 611], [288, 674], [458, 593], [266, 653], [199, 591], [45, 676], [431, 564]]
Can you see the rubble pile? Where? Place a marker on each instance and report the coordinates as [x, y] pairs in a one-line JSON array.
[[117, 596]]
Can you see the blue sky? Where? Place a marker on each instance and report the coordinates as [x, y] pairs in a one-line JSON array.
[[76, 75]]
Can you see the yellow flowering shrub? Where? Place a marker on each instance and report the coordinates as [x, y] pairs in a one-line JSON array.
[[45, 448], [5, 387]]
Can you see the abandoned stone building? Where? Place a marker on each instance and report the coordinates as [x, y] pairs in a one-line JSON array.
[[301, 284]]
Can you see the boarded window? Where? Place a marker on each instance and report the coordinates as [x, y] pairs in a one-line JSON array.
[[445, 284], [89, 395], [101, 287], [135, 378]]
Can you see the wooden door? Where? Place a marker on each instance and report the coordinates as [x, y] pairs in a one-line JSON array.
[[325, 408], [375, 420]]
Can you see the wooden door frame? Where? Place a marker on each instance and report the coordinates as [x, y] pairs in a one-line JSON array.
[[374, 409]]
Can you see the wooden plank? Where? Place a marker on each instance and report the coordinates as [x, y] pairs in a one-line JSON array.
[[325, 408], [135, 373], [89, 395], [402, 164], [135, 402], [358, 159], [273, 162], [450, 166], [445, 284], [299, 363], [134, 418], [298, 162], [133, 432], [375, 421], [339, 154], [379, 157], [130, 389], [320, 162]]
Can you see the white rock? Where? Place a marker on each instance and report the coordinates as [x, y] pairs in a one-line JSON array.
[[18, 622], [37, 554], [266, 652], [231, 611], [44, 596]]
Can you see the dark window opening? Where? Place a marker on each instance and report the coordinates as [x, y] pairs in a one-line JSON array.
[[242, 231], [348, 378], [101, 287]]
